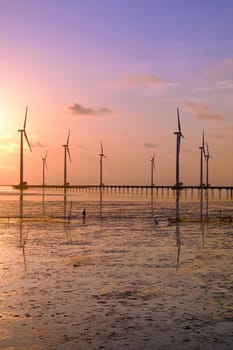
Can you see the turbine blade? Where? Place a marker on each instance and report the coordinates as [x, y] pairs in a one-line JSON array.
[[179, 125], [68, 138], [45, 163], [153, 162], [207, 151], [203, 143], [25, 118], [68, 151], [101, 148], [203, 138], [178, 117], [25, 135], [46, 155]]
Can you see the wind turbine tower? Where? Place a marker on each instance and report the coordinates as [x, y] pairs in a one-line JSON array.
[[23, 135]]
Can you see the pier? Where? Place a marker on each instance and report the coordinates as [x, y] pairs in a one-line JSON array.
[[226, 191]]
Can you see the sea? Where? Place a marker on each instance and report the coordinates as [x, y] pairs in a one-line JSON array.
[[123, 276]]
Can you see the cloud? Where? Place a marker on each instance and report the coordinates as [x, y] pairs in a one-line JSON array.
[[78, 109], [150, 145], [224, 84], [229, 127], [141, 79], [228, 61], [10, 147], [218, 135], [37, 144], [136, 81], [202, 111], [5, 167], [219, 76], [6, 137]]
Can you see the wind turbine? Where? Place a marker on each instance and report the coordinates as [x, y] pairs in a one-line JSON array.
[[207, 157], [22, 135], [152, 169], [202, 152], [152, 160], [179, 135], [44, 160], [66, 151], [102, 155]]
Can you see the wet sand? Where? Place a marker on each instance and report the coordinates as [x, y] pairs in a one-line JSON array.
[[108, 286]]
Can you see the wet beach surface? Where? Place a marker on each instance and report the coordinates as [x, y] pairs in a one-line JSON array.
[[115, 284]]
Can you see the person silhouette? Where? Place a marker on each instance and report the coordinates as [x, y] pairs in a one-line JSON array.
[[84, 213]]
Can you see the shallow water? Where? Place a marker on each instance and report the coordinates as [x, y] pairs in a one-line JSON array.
[[116, 282]]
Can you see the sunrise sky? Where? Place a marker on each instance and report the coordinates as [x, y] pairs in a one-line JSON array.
[[116, 70]]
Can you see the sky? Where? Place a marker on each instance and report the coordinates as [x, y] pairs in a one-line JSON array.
[[116, 71]]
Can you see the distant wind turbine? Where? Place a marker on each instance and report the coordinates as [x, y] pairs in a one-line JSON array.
[[152, 160], [22, 135], [66, 151], [102, 155], [207, 157], [44, 160], [179, 135], [152, 169], [202, 153]]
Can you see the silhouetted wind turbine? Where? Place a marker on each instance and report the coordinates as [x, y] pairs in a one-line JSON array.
[[207, 157], [179, 135], [202, 152], [152, 169], [102, 155], [66, 151], [22, 135], [44, 160], [152, 160]]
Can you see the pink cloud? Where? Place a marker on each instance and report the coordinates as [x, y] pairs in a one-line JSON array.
[[202, 111]]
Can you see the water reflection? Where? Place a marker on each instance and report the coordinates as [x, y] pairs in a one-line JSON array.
[[101, 200], [65, 202], [178, 244], [21, 217], [43, 202], [22, 240]]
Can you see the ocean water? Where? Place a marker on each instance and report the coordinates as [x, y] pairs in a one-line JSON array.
[[118, 278]]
